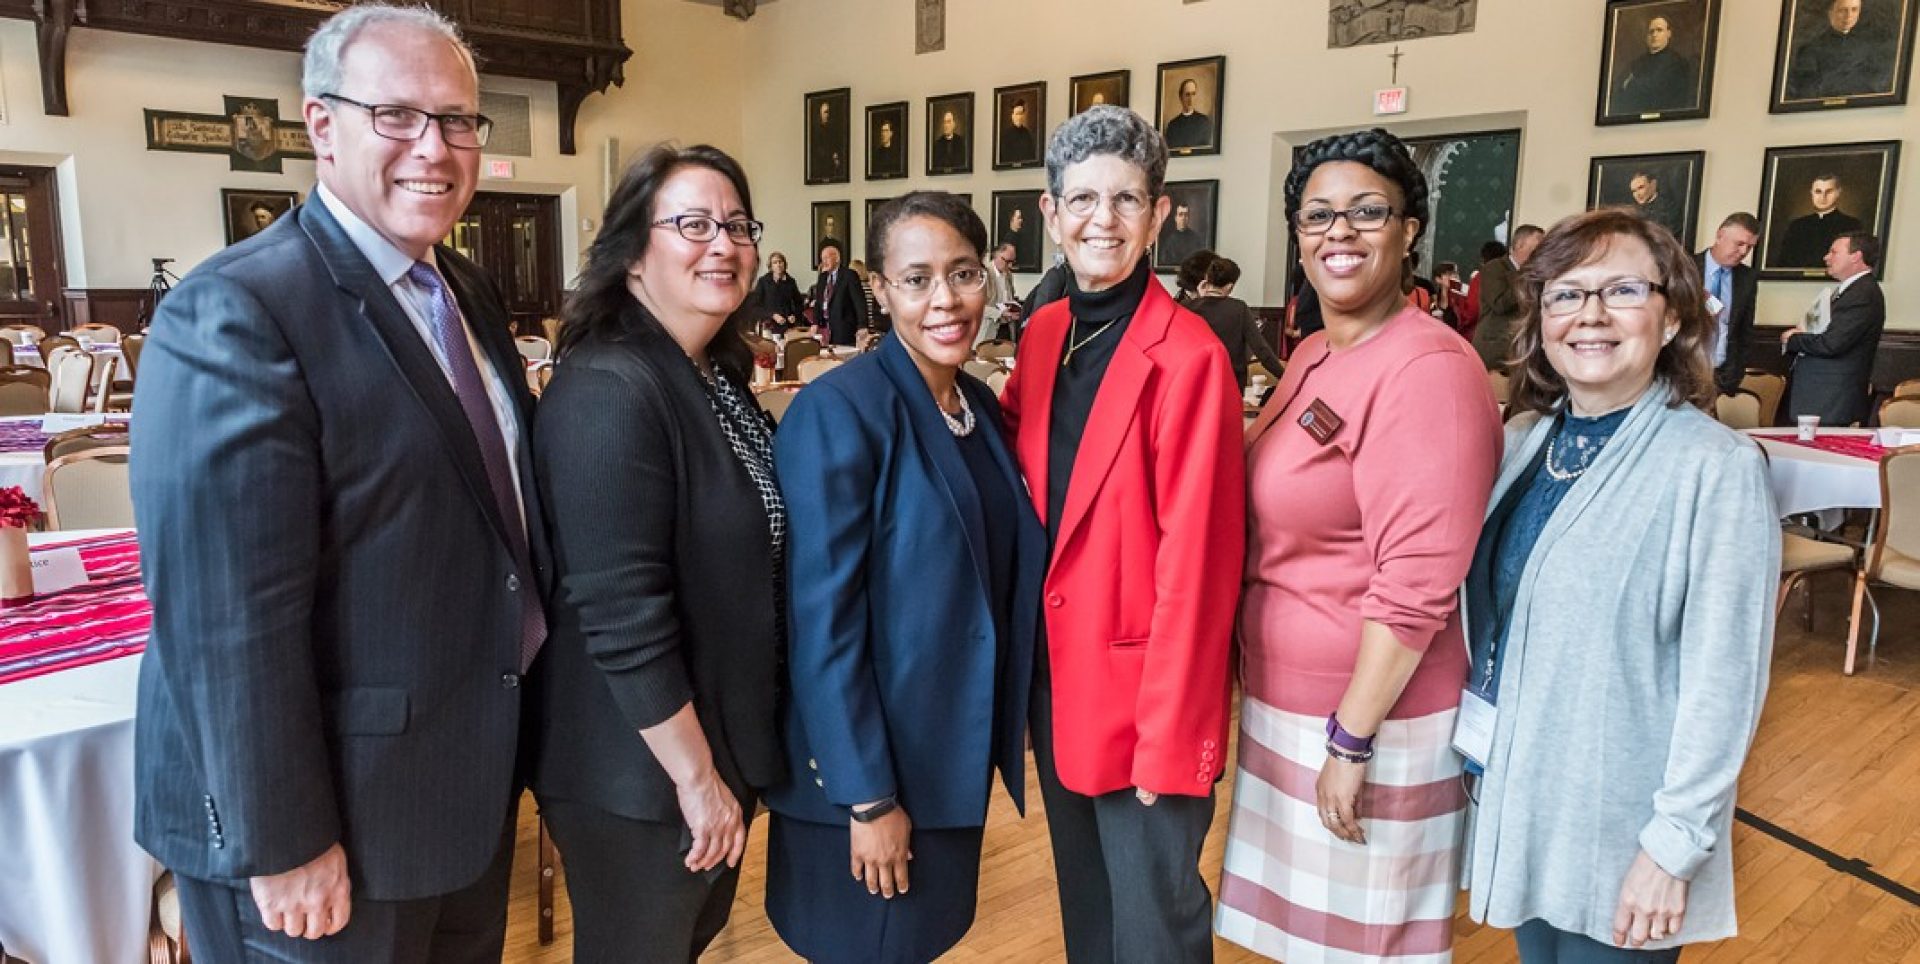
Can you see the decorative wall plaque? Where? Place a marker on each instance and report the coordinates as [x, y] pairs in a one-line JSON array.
[[250, 133]]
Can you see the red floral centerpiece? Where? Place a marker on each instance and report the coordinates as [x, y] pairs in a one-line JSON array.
[[17, 513]]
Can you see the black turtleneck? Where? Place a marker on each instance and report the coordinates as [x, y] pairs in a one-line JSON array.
[[1107, 312]]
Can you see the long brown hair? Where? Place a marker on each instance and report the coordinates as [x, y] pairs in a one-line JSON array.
[[1684, 362]]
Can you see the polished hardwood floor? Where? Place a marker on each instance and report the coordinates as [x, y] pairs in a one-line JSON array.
[[1836, 762]]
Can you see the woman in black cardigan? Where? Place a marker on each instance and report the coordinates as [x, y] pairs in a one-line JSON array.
[[657, 692], [776, 301]]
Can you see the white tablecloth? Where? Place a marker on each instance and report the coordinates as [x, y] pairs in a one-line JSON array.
[[76, 887], [1808, 479], [30, 355]]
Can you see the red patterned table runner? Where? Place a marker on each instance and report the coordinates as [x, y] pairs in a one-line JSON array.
[[105, 619], [1852, 446]]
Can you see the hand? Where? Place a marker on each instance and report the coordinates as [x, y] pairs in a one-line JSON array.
[[1653, 903], [880, 852], [1146, 797], [312, 900], [1338, 793], [713, 815], [1789, 333]]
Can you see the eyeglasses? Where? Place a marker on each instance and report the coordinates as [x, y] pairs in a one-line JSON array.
[[920, 285], [1126, 204], [1360, 217], [701, 228], [1625, 293], [397, 123]]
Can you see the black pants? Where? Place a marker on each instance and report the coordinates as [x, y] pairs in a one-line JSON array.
[[1128, 874], [469, 926], [634, 901], [1542, 943]]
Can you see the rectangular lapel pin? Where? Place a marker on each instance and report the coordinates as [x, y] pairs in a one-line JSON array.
[[1320, 422]]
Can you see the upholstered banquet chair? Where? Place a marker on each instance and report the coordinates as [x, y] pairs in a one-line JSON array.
[[1909, 387], [71, 369], [23, 334], [981, 368], [101, 334], [994, 349], [775, 398], [534, 347], [798, 350], [51, 342], [110, 435], [1738, 411], [1770, 388], [24, 390], [998, 381], [1894, 558], [1901, 411], [89, 490], [816, 366]]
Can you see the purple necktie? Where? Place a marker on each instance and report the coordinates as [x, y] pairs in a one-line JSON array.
[[450, 334]]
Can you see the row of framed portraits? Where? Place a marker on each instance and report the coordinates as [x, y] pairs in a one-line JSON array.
[[1657, 57], [1014, 217], [1808, 197], [1187, 104]]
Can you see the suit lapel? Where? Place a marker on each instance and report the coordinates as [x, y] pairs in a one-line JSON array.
[[1115, 406], [926, 423], [404, 346]]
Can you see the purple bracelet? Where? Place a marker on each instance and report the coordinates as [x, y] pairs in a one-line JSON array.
[[1338, 736]]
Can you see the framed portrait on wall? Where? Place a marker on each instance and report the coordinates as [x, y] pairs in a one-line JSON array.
[[1664, 187], [1834, 54], [871, 208], [1811, 195], [832, 221], [887, 141], [829, 138], [1656, 63], [1191, 224], [950, 134], [1088, 90], [1016, 218], [1019, 125], [248, 213], [1187, 105]]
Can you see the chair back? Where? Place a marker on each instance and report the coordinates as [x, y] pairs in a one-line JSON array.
[[1901, 412], [1738, 411], [89, 490], [816, 366], [998, 381], [130, 348], [23, 334], [538, 375], [798, 350], [775, 399], [1256, 371], [994, 349], [24, 390], [1770, 388], [101, 334], [1895, 556], [980, 368], [14, 336], [86, 439], [51, 342], [71, 370], [534, 347], [1909, 387], [1497, 381]]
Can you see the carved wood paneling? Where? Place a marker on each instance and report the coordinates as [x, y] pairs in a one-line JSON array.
[[119, 307]]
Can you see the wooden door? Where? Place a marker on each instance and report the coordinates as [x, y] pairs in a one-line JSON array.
[[516, 239], [31, 261]]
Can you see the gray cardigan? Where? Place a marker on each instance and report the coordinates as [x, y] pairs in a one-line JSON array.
[[1635, 669]]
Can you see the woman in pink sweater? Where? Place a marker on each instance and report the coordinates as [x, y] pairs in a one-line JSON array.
[[1368, 474]]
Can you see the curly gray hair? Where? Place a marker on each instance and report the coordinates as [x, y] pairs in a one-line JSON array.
[[1107, 129], [322, 70]]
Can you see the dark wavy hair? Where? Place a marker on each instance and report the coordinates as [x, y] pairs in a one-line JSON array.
[[1223, 272], [601, 307], [1193, 270], [1685, 362], [1383, 153], [949, 209]]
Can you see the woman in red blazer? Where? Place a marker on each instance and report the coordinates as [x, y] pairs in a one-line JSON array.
[[1127, 426]]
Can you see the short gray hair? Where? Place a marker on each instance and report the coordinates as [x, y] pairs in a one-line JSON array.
[[1107, 129], [322, 71]]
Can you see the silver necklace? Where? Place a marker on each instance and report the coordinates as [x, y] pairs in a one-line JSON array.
[[960, 425]]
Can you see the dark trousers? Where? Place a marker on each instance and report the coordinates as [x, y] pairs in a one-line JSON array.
[[1128, 874], [469, 926], [1543, 943], [634, 901]]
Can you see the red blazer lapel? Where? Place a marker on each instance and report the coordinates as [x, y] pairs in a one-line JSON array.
[[1037, 365]]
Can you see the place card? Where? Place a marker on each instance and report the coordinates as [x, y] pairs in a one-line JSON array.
[[55, 423], [57, 569]]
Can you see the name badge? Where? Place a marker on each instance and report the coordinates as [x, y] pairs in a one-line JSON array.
[[1320, 422], [1473, 728], [1715, 305]]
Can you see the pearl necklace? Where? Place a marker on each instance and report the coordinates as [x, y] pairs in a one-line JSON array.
[[960, 425], [1585, 451]]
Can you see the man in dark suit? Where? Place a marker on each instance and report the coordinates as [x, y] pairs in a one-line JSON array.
[[341, 542], [1017, 143], [1810, 235], [826, 153], [1661, 209], [1658, 80], [839, 303], [1842, 60], [1190, 128], [1500, 298], [1832, 367], [1732, 287]]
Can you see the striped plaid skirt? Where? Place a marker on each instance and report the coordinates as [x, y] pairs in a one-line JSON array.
[[1291, 891]]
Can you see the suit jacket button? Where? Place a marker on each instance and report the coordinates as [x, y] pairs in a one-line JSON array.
[[819, 783], [1054, 600], [1207, 744], [1207, 755], [513, 583], [813, 764], [509, 681]]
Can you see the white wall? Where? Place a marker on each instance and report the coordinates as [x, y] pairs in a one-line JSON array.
[[124, 204], [1530, 62]]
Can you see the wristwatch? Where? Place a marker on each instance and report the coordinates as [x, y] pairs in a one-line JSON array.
[[877, 811]]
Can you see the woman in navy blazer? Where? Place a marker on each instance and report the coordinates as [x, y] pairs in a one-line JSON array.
[[914, 569]]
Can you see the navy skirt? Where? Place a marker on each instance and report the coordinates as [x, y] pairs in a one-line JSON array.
[[826, 916]]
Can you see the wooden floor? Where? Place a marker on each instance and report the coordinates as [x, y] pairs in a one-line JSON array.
[[1837, 762]]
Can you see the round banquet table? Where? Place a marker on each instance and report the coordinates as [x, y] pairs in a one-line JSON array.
[[1809, 479], [78, 888]]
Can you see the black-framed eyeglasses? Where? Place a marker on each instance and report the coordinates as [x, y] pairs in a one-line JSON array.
[[1625, 293], [1360, 217], [1127, 204], [703, 228], [397, 122], [919, 284]]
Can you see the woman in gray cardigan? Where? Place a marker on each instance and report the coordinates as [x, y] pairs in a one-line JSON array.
[[1619, 613]]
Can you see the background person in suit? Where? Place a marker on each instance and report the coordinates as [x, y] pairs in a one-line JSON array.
[[330, 703], [915, 588], [659, 725], [1499, 304], [1832, 369], [1658, 80], [1127, 426], [1810, 235], [950, 148], [1190, 128], [1733, 287], [839, 301]]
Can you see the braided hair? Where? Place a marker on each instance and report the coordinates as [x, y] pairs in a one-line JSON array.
[[1383, 153]]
